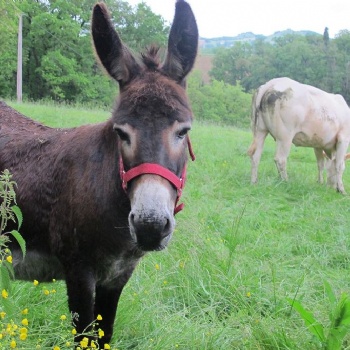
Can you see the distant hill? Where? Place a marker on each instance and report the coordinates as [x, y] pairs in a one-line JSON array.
[[226, 41]]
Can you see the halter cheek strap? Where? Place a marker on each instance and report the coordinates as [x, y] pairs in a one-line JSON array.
[[156, 169]]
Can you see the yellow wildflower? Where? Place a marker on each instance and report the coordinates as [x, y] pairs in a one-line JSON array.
[[46, 292], [2, 314], [101, 333], [25, 311], [56, 348], [35, 282], [63, 317], [23, 336], [4, 294], [93, 345], [25, 322], [84, 343], [99, 317], [13, 344], [74, 331], [9, 259], [106, 347], [157, 266]]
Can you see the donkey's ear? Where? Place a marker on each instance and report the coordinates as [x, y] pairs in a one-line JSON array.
[[113, 54], [182, 44]]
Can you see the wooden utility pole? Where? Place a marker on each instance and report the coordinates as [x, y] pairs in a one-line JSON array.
[[19, 61]]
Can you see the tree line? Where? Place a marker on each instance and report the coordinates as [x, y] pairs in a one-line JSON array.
[[58, 62], [312, 59], [239, 70]]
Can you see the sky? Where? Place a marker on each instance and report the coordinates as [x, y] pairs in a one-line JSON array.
[[217, 18]]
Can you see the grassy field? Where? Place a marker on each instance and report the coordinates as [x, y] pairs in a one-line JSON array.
[[239, 254]]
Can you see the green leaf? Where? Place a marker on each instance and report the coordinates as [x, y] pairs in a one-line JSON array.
[[342, 312], [330, 293], [312, 324], [18, 214], [340, 324], [332, 298], [8, 306], [20, 241], [9, 268], [334, 342], [5, 278]]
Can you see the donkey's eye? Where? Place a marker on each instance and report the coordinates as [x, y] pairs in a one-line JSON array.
[[123, 135], [182, 133]]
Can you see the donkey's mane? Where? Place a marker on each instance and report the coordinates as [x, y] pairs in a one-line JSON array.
[[153, 87], [150, 57]]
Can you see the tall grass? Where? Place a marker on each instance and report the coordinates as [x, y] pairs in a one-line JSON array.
[[240, 253]]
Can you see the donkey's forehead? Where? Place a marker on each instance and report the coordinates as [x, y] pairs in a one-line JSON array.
[[155, 97]]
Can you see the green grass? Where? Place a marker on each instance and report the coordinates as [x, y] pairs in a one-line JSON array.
[[238, 254], [57, 116]]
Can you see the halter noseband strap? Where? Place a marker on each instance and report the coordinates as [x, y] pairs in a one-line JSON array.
[[156, 169]]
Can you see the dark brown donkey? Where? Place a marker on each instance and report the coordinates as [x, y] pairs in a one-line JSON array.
[[96, 198]]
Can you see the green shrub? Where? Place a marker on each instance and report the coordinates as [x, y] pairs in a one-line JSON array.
[[219, 102], [8, 212]]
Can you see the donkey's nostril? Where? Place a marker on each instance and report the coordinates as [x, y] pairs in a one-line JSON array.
[[151, 231], [132, 218], [167, 228]]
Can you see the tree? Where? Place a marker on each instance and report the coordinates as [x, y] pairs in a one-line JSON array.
[[139, 26], [9, 15], [326, 37], [58, 60], [342, 43], [232, 65], [303, 58]]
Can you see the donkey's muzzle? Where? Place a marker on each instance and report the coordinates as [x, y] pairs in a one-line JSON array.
[[151, 218], [152, 230]]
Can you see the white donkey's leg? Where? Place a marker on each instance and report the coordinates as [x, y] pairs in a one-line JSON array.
[[320, 157], [282, 151], [340, 154], [255, 151]]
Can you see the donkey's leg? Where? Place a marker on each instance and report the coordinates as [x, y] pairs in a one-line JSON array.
[[80, 289], [255, 151], [320, 158], [106, 302], [331, 173], [283, 146], [340, 153]]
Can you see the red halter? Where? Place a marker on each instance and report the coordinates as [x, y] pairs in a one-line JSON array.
[[156, 169]]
